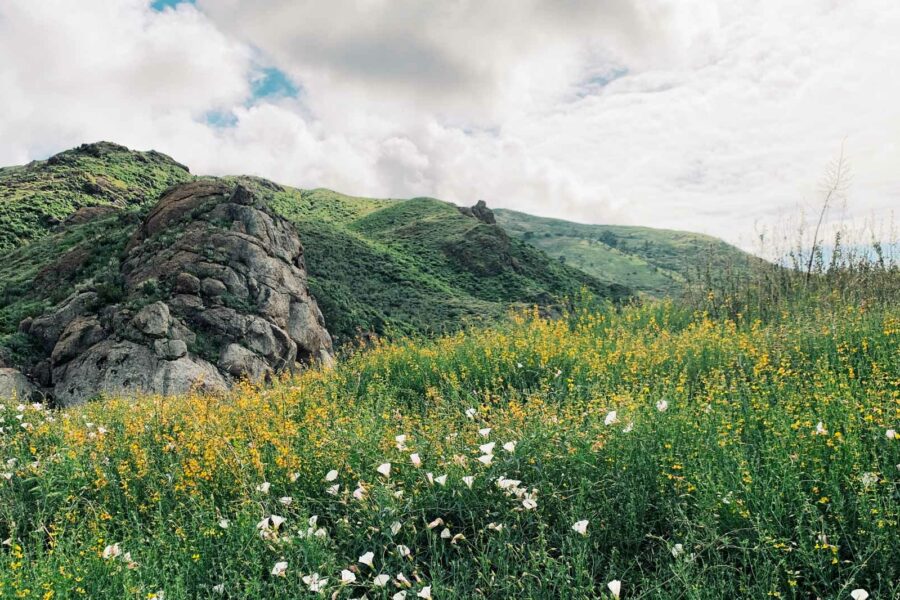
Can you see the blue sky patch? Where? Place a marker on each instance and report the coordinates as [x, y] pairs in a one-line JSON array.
[[273, 82], [220, 119], [163, 4]]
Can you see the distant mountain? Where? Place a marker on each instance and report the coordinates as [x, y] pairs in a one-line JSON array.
[[656, 262]]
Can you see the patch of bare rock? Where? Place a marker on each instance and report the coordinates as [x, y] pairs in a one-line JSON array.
[[215, 290]]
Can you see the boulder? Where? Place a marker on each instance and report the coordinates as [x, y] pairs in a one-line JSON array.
[[14, 384], [212, 288], [170, 349], [47, 328], [153, 320], [238, 362], [81, 333], [185, 283], [128, 368]]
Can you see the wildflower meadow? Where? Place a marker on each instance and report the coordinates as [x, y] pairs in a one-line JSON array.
[[642, 452]]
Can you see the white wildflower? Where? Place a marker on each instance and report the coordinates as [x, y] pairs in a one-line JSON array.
[[315, 583], [280, 569], [112, 551]]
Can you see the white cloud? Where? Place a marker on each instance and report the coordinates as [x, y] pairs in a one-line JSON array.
[[708, 116]]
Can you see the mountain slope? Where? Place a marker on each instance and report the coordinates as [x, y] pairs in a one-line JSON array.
[[38, 196], [656, 262], [375, 265], [418, 265]]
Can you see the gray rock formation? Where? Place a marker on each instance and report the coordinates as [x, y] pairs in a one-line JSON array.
[[480, 211], [14, 384], [215, 290]]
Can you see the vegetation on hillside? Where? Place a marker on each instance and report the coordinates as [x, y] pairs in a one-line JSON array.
[[658, 262], [375, 266], [38, 197], [651, 452], [416, 266]]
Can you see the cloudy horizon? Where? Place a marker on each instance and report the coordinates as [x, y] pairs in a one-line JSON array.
[[715, 117]]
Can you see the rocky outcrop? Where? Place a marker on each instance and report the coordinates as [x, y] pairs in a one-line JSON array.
[[480, 211], [214, 291]]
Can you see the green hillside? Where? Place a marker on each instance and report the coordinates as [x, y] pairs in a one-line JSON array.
[[652, 261], [418, 265], [382, 266], [38, 196]]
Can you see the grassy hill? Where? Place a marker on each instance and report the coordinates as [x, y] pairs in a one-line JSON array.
[[658, 262], [36, 198], [418, 265], [382, 266]]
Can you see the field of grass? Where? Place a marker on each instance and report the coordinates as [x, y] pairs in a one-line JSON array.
[[646, 452]]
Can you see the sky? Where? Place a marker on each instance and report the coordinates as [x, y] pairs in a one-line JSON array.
[[717, 116]]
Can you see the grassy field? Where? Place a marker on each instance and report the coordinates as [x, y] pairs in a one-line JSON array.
[[650, 452]]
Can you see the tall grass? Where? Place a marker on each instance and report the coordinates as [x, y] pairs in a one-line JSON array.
[[802, 271], [745, 459]]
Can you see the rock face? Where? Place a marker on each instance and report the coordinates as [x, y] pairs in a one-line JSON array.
[[13, 384], [480, 211], [214, 290]]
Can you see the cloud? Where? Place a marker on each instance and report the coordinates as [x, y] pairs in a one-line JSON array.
[[108, 70], [708, 116]]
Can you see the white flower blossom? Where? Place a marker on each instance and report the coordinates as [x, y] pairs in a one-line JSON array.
[[367, 559]]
